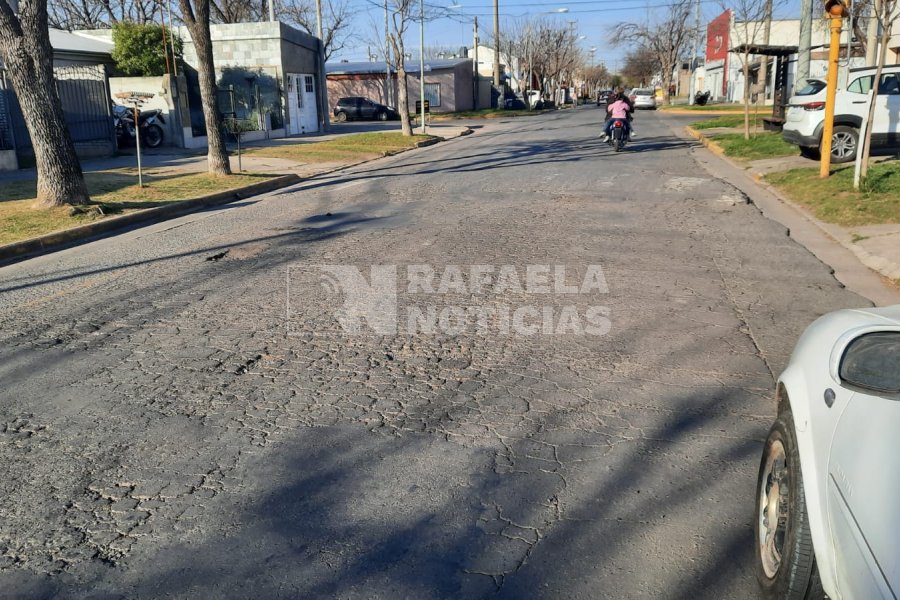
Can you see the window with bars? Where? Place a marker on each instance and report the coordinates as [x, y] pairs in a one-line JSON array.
[[433, 94]]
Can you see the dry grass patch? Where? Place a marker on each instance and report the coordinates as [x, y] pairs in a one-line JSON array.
[[112, 192]]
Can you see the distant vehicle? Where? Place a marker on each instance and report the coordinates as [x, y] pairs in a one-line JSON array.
[[805, 118], [644, 98], [603, 97], [827, 521], [356, 107]]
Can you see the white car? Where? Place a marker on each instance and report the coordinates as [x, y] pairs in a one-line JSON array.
[[827, 517], [644, 98], [805, 116]]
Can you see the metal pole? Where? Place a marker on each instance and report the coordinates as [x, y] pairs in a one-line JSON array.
[[422, 60], [388, 84], [834, 50], [692, 86], [475, 63], [172, 42], [137, 142], [318, 19], [496, 43], [272, 10], [806, 17], [165, 45]]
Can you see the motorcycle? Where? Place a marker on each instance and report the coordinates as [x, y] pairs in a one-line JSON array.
[[149, 122], [619, 134]]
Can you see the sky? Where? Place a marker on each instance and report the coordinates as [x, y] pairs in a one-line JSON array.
[[593, 20]]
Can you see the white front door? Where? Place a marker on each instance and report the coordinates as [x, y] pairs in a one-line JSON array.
[[309, 115], [302, 104]]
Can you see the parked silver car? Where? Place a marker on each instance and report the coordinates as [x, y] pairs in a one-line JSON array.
[[644, 98]]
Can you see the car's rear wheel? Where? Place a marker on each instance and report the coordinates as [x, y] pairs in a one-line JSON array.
[[844, 144], [340, 117], [785, 562]]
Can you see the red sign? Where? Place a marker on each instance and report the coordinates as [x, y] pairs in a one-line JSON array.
[[717, 33]]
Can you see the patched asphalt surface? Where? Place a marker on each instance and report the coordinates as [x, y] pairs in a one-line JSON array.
[[182, 416]]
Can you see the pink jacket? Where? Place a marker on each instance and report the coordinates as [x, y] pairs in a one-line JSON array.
[[619, 109]]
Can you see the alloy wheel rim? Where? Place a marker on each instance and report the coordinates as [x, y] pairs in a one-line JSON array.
[[842, 145], [773, 509]]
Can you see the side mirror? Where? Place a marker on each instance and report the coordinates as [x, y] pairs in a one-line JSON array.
[[872, 362]]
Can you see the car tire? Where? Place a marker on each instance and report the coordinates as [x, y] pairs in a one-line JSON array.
[[341, 117], [382, 116], [844, 144], [785, 563], [810, 152]]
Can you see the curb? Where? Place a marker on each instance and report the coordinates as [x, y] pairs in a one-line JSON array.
[[57, 240], [882, 266]]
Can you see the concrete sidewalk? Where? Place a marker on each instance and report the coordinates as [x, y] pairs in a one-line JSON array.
[[876, 246], [177, 160]]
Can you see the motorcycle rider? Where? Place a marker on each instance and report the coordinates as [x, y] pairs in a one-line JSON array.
[[620, 109]]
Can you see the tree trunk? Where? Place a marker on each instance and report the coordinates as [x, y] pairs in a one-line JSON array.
[[198, 26], [26, 52], [403, 100], [866, 148]]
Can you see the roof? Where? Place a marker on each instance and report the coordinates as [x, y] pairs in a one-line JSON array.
[[64, 41], [765, 49], [362, 68]]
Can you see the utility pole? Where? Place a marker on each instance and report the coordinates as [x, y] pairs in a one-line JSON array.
[[272, 10], [497, 43], [692, 86], [422, 60], [475, 62], [388, 84], [806, 16], [318, 19], [767, 33], [836, 12], [872, 36]]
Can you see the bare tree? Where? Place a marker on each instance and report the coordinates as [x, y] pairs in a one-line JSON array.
[[544, 48], [641, 64], [27, 54], [402, 16], [749, 29], [886, 12], [666, 40], [337, 21], [235, 11], [195, 14], [101, 14]]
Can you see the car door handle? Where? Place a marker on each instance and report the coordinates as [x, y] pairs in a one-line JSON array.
[[859, 102]]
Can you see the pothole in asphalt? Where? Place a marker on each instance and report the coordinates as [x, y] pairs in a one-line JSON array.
[[216, 257]]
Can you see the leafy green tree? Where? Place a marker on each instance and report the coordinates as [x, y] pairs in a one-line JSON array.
[[140, 51]]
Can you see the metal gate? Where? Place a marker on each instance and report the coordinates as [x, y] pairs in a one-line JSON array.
[[84, 93], [6, 127]]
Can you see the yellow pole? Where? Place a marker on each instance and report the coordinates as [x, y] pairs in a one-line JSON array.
[[834, 48]]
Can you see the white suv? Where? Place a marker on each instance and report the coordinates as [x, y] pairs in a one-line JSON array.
[[806, 114]]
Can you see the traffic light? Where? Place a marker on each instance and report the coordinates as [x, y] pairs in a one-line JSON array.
[[835, 8]]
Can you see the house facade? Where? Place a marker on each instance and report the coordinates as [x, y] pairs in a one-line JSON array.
[[449, 83], [80, 65], [723, 74]]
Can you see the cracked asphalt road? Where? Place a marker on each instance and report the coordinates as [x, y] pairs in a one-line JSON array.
[[162, 435]]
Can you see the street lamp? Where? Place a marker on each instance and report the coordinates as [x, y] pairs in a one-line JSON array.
[[422, 62]]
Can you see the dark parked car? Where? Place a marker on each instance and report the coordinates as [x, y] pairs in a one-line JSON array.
[[603, 97], [356, 107]]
